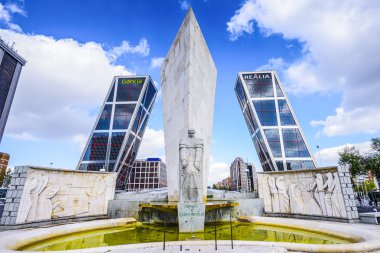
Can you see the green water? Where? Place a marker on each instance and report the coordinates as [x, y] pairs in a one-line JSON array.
[[155, 233]]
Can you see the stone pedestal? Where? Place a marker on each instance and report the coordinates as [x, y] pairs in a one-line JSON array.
[[191, 217]]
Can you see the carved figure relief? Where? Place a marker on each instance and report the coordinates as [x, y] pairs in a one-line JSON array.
[[322, 196], [282, 195], [46, 196], [26, 200], [295, 196], [191, 157], [35, 194], [96, 195], [329, 187], [274, 194], [319, 192], [337, 202], [45, 206], [311, 206]]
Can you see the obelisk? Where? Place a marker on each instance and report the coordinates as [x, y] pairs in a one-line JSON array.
[[188, 81]]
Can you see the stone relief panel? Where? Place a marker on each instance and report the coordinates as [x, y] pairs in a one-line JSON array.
[[50, 194], [316, 192]]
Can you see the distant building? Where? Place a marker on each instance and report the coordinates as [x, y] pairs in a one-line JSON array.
[[10, 69], [252, 176], [4, 159], [115, 139], [242, 176], [218, 185], [147, 174], [272, 124], [226, 184]]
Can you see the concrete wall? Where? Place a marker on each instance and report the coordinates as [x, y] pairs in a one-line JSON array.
[[127, 205], [188, 80], [324, 193], [37, 194]]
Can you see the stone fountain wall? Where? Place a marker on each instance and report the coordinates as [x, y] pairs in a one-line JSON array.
[[41, 194], [324, 193]]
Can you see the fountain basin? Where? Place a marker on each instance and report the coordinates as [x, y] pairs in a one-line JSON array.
[[348, 237]]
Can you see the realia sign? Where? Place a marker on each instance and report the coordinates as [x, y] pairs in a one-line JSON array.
[[257, 76]]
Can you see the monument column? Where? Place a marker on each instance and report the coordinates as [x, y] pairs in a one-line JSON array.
[[188, 80]]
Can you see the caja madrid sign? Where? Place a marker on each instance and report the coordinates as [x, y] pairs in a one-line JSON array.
[[257, 76]]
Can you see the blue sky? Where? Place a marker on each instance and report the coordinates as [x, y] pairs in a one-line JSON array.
[[324, 53]]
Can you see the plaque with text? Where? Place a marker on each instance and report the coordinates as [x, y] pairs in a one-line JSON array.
[[191, 217]]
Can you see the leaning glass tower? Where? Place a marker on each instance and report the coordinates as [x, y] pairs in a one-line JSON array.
[[119, 128], [273, 126]]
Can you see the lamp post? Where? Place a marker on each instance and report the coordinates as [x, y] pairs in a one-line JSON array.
[[237, 169]]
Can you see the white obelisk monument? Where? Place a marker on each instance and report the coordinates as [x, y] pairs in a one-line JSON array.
[[188, 80]]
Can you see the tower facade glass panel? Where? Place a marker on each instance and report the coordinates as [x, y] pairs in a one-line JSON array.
[[117, 134], [274, 129], [10, 68]]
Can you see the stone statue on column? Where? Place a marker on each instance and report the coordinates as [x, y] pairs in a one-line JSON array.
[[191, 158], [191, 207]]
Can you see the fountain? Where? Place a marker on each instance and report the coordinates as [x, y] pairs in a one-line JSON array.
[[187, 214]]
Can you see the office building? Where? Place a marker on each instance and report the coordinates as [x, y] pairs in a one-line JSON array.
[[115, 139], [10, 68], [4, 159], [147, 174], [242, 176], [273, 126]]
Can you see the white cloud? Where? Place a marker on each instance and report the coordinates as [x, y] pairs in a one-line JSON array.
[[360, 120], [338, 41], [218, 171], [80, 140], [24, 136], [156, 62], [125, 48], [14, 8], [242, 21], [273, 64], [61, 87], [330, 156], [153, 144], [184, 4], [6, 12]]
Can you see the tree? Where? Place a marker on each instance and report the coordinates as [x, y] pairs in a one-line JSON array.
[[375, 144], [351, 156], [372, 159], [362, 164], [7, 178]]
